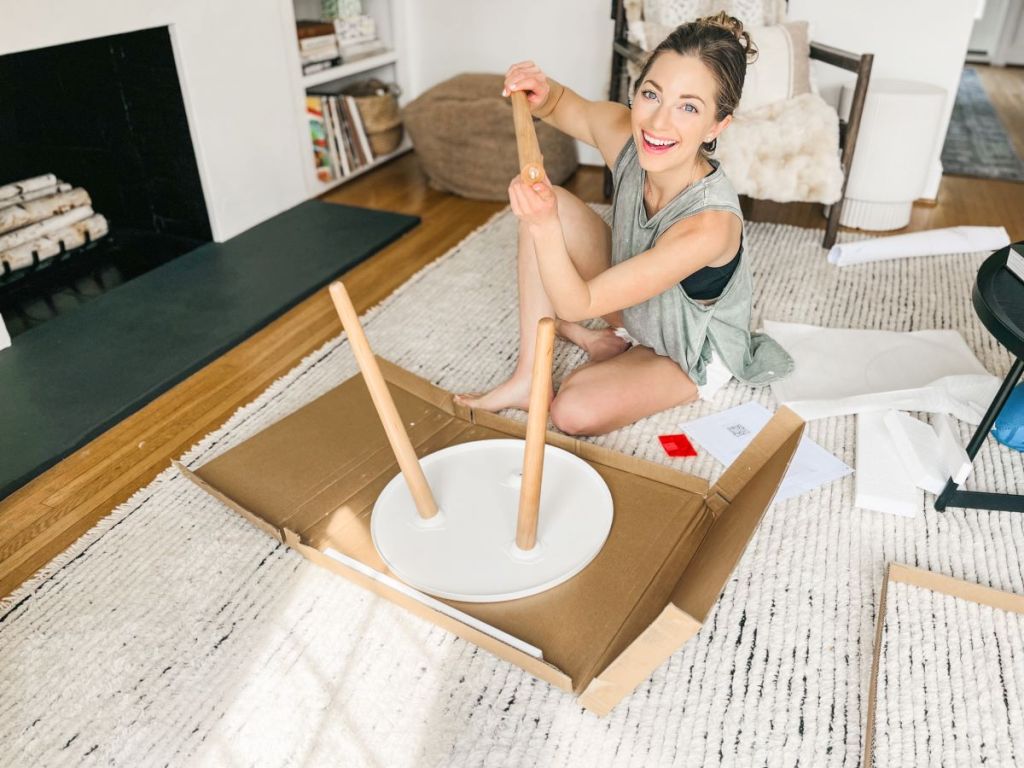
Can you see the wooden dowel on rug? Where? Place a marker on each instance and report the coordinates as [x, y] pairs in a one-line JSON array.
[[531, 164], [536, 429], [408, 462]]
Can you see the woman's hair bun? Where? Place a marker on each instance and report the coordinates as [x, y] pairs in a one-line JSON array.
[[734, 26]]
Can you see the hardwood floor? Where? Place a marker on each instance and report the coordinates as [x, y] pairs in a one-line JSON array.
[[43, 518]]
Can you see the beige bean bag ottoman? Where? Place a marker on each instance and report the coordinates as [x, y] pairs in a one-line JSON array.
[[462, 131]]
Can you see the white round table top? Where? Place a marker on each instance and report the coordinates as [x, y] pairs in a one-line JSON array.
[[467, 552]]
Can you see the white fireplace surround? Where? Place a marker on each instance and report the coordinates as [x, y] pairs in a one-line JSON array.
[[235, 62], [233, 66]]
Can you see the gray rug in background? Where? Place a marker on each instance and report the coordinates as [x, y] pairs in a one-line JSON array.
[[175, 633], [976, 142]]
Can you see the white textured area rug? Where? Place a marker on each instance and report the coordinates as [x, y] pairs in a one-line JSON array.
[[177, 634]]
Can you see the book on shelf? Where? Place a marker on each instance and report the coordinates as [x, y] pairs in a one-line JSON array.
[[332, 148], [313, 28], [319, 58], [317, 42], [337, 134], [320, 52], [350, 126], [318, 55], [318, 137], [347, 136], [319, 66], [357, 119]]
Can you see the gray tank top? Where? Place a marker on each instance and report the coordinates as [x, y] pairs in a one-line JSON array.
[[672, 323]]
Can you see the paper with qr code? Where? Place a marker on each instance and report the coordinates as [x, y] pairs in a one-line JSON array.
[[724, 435]]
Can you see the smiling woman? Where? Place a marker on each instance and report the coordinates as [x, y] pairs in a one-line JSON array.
[[668, 275]]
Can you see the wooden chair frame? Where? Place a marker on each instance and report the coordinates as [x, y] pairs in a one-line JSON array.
[[860, 64]]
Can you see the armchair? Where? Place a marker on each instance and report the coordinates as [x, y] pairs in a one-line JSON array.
[[796, 149]]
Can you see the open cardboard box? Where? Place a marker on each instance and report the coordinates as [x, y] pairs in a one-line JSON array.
[[936, 582], [311, 481]]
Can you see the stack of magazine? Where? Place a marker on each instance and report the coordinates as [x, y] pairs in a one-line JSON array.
[[327, 44], [340, 144], [318, 46]]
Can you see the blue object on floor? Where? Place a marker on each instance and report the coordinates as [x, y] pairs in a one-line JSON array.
[[1009, 426], [74, 377]]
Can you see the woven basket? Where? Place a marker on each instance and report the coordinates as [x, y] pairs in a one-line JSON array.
[[378, 107]]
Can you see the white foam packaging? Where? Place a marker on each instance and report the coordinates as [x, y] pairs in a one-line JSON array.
[[917, 445], [881, 484], [954, 458], [842, 371]]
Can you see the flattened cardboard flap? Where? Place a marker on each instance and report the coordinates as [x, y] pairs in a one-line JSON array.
[[736, 503], [312, 479], [741, 496]]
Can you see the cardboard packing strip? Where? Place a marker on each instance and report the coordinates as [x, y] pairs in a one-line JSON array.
[[941, 584], [311, 481]]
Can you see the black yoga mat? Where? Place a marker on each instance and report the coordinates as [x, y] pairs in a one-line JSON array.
[[72, 378]]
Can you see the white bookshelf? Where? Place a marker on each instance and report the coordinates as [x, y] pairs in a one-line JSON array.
[[348, 70], [385, 66]]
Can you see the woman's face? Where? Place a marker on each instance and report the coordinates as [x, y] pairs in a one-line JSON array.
[[674, 112]]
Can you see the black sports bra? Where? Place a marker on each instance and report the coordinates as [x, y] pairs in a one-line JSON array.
[[709, 282]]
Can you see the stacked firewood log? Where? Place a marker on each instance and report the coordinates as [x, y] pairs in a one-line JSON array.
[[42, 217]]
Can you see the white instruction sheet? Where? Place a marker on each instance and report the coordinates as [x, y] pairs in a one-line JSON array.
[[724, 435], [932, 242], [842, 370]]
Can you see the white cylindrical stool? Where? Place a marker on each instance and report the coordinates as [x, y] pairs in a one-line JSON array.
[[895, 149]]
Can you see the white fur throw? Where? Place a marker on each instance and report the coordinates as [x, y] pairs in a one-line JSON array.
[[787, 151]]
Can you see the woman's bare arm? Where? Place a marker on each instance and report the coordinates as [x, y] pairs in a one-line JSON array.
[[686, 247], [601, 124]]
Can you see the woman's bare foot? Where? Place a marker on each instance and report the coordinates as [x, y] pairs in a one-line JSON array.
[[514, 393], [601, 344]]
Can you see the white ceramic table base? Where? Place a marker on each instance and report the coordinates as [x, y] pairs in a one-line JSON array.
[[468, 552]]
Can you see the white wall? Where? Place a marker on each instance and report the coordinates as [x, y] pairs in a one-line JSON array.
[[234, 64], [923, 40], [569, 39]]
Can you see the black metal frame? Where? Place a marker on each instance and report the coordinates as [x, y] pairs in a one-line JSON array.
[[986, 298], [860, 64], [951, 496]]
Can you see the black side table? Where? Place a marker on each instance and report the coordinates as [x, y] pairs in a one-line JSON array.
[[998, 299]]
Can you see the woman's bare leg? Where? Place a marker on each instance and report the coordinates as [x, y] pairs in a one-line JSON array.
[[588, 241], [603, 397]]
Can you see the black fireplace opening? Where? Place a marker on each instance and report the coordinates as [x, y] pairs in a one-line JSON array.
[[106, 115]]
